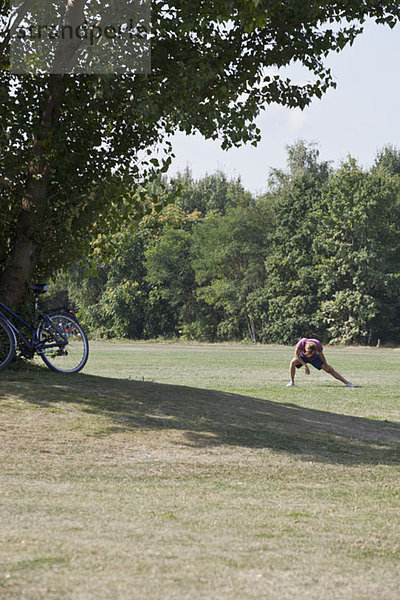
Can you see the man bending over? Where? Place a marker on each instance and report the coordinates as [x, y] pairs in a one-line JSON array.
[[310, 351]]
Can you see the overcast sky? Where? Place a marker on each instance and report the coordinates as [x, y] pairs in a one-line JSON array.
[[359, 117]]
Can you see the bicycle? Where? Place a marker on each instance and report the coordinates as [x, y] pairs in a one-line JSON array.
[[55, 336]]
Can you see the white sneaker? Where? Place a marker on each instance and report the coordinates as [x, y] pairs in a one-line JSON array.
[[350, 384], [290, 384]]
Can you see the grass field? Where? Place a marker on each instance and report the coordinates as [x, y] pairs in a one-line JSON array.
[[173, 471]]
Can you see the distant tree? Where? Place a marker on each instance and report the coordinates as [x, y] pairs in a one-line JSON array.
[[170, 274], [210, 193], [388, 159], [228, 259], [358, 245], [291, 265]]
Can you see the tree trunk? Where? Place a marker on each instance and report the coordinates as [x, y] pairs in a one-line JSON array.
[[250, 327], [20, 264], [25, 249]]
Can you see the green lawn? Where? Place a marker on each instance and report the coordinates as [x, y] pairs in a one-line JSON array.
[[174, 471]]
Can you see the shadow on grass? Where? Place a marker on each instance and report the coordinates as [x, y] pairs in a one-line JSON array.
[[210, 418]]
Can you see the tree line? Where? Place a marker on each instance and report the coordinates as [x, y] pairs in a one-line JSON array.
[[317, 255]]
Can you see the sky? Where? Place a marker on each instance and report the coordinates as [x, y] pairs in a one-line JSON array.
[[359, 117]]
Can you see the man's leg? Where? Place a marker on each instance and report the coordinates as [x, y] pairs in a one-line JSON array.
[[292, 369], [334, 373]]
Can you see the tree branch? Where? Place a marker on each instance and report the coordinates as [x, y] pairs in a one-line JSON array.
[[10, 29]]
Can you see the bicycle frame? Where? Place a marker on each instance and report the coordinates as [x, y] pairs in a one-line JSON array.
[[33, 344], [4, 311]]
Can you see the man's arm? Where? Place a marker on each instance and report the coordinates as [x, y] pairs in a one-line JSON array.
[[301, 361]]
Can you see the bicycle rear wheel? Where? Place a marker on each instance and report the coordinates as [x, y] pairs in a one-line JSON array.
[[70, 349], [7, 345]]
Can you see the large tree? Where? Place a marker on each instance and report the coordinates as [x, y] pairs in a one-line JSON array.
[[70, 145]]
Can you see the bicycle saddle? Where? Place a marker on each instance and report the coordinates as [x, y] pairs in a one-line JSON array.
[[39, 288]]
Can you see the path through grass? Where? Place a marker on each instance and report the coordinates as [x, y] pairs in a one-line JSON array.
[[190, 471]]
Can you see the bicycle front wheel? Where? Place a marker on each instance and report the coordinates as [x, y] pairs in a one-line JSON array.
[[7, 345], [63, 345]]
